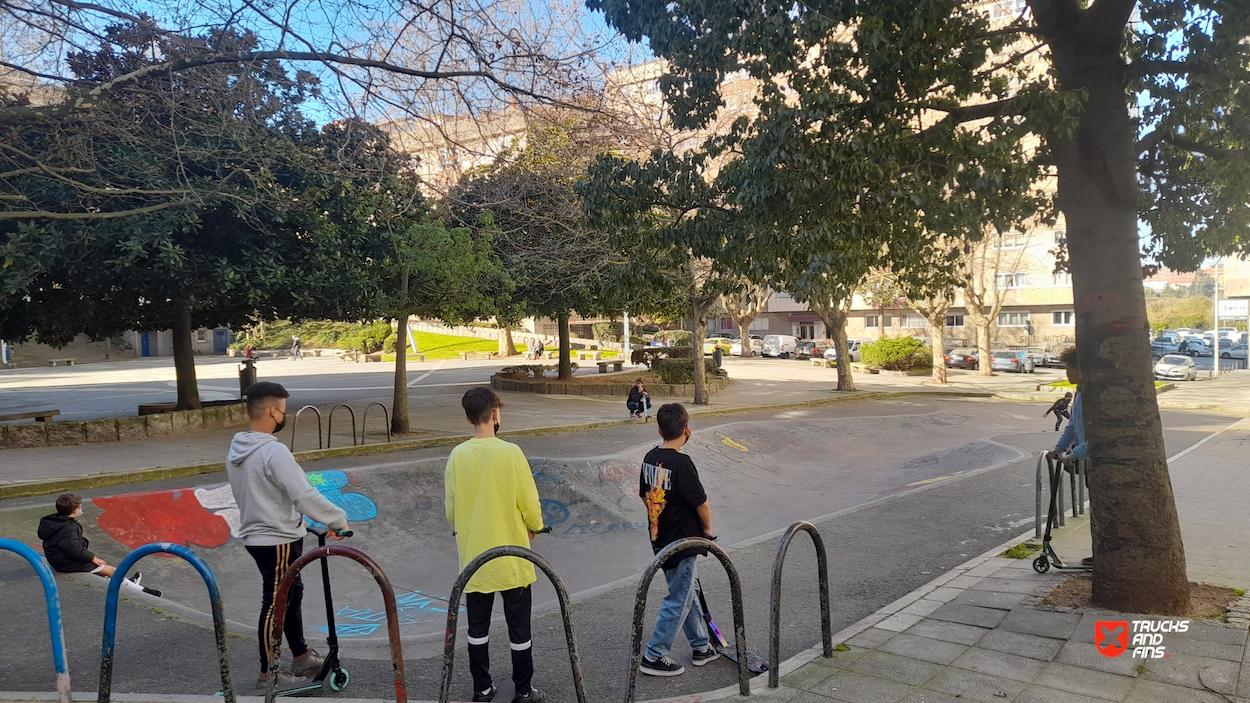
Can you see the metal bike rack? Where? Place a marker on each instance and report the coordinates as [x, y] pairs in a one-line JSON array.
[[388, 601], [562, 594], [110, 615], [295, 424], [1076, 489], [735, 592], [826, 622], [52, 598], [364, 422], [330, 424]]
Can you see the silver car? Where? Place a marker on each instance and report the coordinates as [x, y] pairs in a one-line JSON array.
[[1174, 367], [1015, 361]]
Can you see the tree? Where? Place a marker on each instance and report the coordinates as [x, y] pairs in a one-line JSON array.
[[880, 291], [986, 266], [744, 306]]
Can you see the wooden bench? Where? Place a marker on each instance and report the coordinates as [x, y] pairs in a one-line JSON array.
[[823, 362], [38, 416], [375, 356], [68, 361], [584, 354], [617, 365], [465, 356]]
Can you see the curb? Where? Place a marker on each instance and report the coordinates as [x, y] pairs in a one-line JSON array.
[[89, 481]]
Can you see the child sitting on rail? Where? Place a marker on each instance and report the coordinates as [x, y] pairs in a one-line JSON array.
[[68, 551]]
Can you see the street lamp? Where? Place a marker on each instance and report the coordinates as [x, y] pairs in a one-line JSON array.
[[1215, 341]]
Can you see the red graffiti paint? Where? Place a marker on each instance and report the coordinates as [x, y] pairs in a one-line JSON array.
[[175, 516]]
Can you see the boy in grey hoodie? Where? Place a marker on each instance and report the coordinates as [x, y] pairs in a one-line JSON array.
[[273, 494]]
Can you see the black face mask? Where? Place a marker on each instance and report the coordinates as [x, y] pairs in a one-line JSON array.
[[496, 428], [278, 427]]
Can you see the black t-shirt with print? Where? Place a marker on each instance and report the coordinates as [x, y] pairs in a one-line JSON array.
[[670, 488]]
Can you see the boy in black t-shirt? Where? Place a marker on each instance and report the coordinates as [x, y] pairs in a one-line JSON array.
[[676, 508]]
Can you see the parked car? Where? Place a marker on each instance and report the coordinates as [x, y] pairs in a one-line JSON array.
[[755, 343], [962, 358], [809, 348], [1017, 361], [782, 345], [1037, 354], [1175, 367], [1193, 346], [1165, 345], [1230, 350], [1050, 358], [853, 346], [717, 339]]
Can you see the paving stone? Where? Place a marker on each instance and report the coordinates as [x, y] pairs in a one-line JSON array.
[[1155, 692], [1007, 585], [1243, 686], [1213, 650], [990, 599], [924, 649], [1031, 646], [969, 685], [1002, 664], [805, 697], [852, 687], [1212, 633], [930, 697], [1041, 694], [962, 582], [808, 677], [1015, 571], [948, 631], [1075, 679], [946, 594], [900, 621], [1086, 656], [871, 638], [922, 607], [1042, 623], [1193, 672], [896, 668], [968, 615]]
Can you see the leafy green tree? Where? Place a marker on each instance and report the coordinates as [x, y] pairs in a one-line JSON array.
[[744, 306]]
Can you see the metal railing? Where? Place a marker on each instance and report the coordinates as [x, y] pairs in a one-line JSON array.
[[826, 622], [51, 598], [295, 424], [735, 592], [562, 594], [110, 615], [330, 424], [364, 422], [388, 601], [1077, 480]]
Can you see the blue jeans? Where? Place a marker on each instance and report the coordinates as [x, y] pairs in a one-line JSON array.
[[679, 608]]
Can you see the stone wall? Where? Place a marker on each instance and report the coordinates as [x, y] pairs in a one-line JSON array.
[[122, 429], [621, 388]]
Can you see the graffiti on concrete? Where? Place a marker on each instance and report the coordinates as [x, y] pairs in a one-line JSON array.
[[410, 606]]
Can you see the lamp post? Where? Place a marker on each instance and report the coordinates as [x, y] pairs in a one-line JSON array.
[[1215, 352]]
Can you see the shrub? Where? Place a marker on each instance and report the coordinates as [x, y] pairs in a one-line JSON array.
[[608, 331], [675, 337], [649, 355], [391, 342], [896, 354], [680, 370]]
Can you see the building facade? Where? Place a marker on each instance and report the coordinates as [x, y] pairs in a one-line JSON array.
[[204, 341]]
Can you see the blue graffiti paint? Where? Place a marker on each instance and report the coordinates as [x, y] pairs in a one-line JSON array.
[[603, 528], [359, 508], [554, 512], [410, 605]]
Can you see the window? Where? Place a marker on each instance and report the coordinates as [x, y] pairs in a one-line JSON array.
[[954, 320], [1062, 278], [759, 324], [1006, 9], [914, 321], [1012, 280], [1063, 318], [201, 335], [1061, 236], [726, 324], [886, 321], [870, 322], [1013, 319], [1012, 240]]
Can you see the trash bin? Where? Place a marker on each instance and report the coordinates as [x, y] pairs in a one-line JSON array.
[[247, 375]]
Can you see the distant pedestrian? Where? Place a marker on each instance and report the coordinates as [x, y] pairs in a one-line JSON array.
[[492, 501], [68, 551], [296, 347], [677, 508], [1060, 409], [638, 401]]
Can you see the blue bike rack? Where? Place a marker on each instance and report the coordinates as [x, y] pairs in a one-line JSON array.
[[53, 600], [110, 614]]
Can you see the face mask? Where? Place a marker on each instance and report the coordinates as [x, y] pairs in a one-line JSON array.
[[278, 427], [496, 428]]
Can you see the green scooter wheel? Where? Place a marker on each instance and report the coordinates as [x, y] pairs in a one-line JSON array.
[[338, 680], [1041, 564]]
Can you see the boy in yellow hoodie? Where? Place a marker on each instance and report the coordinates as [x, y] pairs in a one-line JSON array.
[[492, 501]]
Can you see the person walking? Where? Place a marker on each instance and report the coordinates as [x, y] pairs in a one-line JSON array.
[[296, 349], [1060, 409], [492, 501]]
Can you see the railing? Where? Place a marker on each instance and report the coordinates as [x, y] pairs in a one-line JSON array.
[[735, 592], [295, 424], [562, 594], [364, 422], [388, 601], [826, 622], [51, 598], [110, 615], [330, 425], [1076, 489]]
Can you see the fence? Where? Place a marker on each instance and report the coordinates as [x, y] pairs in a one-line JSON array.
[[329, 426], [52, 599], [1077, 481]]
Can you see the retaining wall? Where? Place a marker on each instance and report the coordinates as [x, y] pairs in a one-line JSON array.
[[29, 435], [621, 388]]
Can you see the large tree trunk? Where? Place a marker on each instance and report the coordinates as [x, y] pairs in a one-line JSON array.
[[744, 323], [507, 347], [399, 403], [566, 364], [834, 316], [984, 333], [700, 334], [1139, 560], [937, 341], [184, 360]]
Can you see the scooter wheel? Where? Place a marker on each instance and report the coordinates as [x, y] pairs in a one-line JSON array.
[[1041, 564], [338, 680]]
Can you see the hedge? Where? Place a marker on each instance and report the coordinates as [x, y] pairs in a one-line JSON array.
[[680, 370], [896, 354], [649, 355]]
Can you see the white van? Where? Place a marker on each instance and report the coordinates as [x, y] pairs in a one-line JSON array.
[[782, 345]]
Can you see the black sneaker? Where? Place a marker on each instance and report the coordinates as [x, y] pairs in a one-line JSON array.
[[534, 696], [707, 655], [137, 579], [487, 695], [152, 591], [661, 667]]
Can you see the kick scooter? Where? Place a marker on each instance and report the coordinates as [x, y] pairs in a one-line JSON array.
[[1048, 557], [332, 674]]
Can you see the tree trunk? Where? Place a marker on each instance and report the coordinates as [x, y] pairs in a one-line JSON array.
[[507, 347], [881, 322], [566, 364], [399, 403], [834, 316], [700, 334], [744, 323], [184, 360], [937, 341], [983, 349], [1139, 560]]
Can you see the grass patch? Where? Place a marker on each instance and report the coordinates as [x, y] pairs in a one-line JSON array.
[[445, 346], [842, 647], [1239, 592], [1024, 550], [1065, 384]]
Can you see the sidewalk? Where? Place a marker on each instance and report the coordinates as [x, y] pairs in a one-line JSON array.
[[978, 633]]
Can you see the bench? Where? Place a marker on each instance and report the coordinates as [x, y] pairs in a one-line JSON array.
[[348, 356], [375, 356], [68, 361], [823, 362], [465, 356], [617, 365], [38, 416], [596, 355]]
